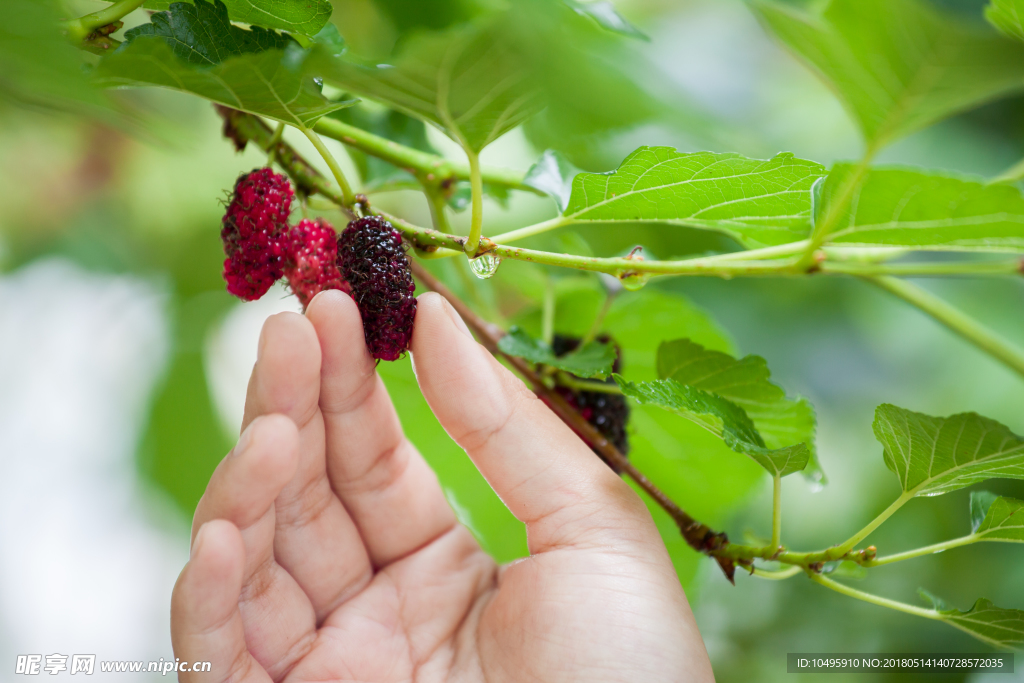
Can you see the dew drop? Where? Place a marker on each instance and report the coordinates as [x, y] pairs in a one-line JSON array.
[[485, 266], [635, 282]]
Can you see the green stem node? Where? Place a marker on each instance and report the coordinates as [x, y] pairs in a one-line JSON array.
[[78, 30]]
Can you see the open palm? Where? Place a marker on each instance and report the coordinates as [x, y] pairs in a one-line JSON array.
[[324, 549]]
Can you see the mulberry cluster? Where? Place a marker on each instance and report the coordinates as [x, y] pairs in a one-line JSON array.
[[367, 261], [312, 263], [608, 413], [254, 232], [376, 267]]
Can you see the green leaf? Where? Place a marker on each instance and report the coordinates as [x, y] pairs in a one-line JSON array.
[[902, 207], [758, 203], [1003, 520], [593, 360], [297, 16], [553, 174], [746, 382], [897, 65], [38, 66], [981, 501], [468, 81], [935, 455], [607, 17], [202, 34], [274, 84], [720, 417], [999, 627], [1007, 16]]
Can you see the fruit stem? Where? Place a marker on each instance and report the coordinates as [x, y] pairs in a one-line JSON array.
[[347, 196], [567, 380], [986, 339], [275, 142], [476, 183], [79, 30], [595, 327]]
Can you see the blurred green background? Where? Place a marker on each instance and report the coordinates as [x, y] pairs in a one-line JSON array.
[[146, 198]]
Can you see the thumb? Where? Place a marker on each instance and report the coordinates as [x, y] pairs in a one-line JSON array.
[[544, 473]]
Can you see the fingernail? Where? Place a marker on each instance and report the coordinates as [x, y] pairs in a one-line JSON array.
[[244, 439], [457, 319], [198, 542]]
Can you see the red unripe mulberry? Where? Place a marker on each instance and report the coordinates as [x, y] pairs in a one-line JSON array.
[[254, 233], [375, 264], [312, 263]]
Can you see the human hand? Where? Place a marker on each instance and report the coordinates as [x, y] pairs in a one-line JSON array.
[[324, 549]]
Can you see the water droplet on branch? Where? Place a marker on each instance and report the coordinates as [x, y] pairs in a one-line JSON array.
[[485, 266]]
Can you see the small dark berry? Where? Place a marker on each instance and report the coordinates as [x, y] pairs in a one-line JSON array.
[[608, 413], [375, 264], [312, 263], [254, 233]]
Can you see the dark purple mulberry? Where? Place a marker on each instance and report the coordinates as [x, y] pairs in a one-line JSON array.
[[312, 263], [375, 264], [608, 413], [254, 233]]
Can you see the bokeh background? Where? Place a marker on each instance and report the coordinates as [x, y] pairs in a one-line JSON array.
[[123, 362]]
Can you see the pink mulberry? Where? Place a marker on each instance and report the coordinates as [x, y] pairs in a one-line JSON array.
[[376, 267], [312, 263], [254, 233]]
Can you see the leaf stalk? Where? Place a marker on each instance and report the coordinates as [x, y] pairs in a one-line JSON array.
[[874, 599], [926, 550], [776, 511], [476, 182]]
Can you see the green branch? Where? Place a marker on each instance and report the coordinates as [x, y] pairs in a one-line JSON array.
[[955, 320], [941, 268], [425, 166], [874, 599], [79, 30], [347, 196], [926, 550]]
